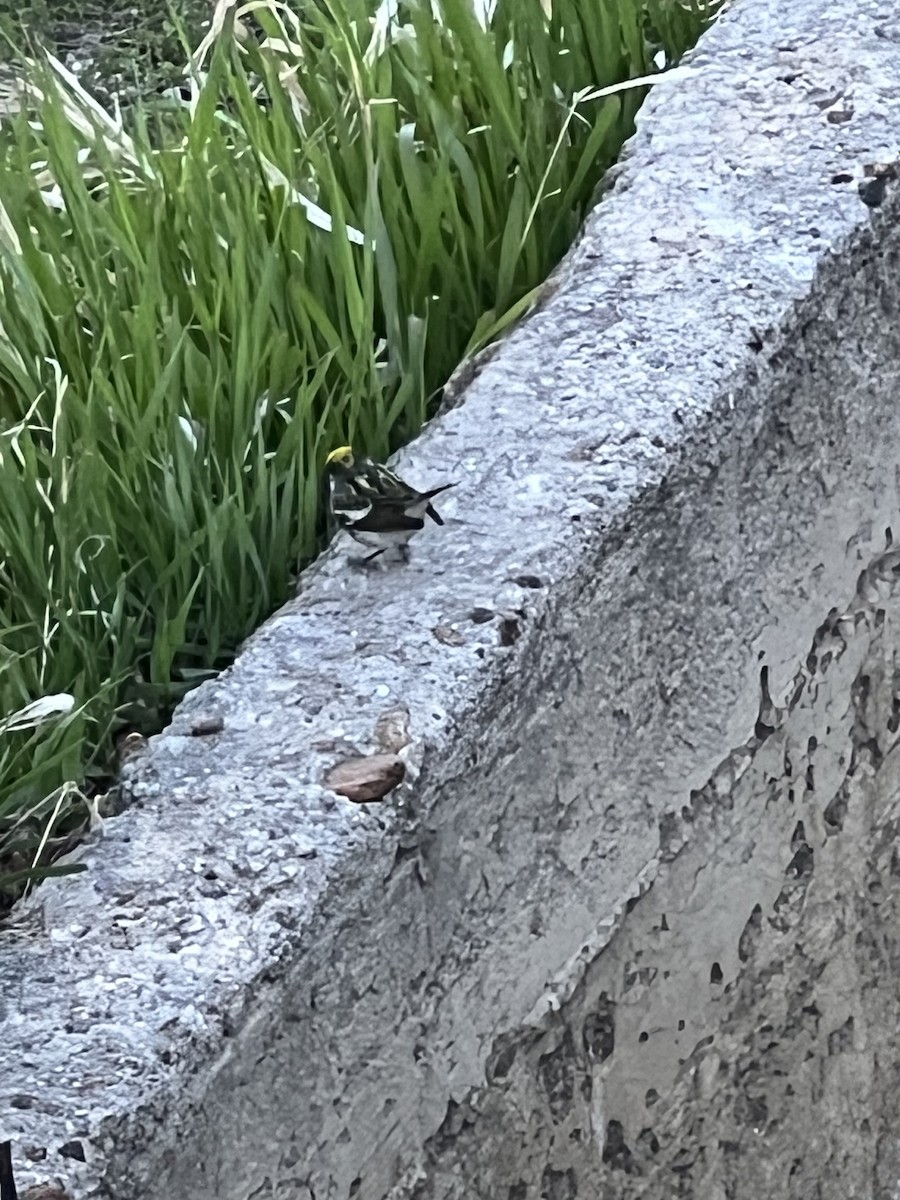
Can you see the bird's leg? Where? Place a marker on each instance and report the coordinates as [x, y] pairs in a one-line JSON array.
[[366, 561]]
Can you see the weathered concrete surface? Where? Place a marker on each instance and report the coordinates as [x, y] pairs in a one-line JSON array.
[[656, 795]]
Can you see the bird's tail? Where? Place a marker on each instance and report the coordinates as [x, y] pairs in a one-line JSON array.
[[431, 510]]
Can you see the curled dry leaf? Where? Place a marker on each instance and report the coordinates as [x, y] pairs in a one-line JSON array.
[[130, 747], [392, 730], [448, 636], [367, 778]]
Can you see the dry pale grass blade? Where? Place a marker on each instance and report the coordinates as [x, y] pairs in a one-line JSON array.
[[11, 92], [38, 712], [386, 29], [222, 9], [65, 795], [8, 236], [641, 81], [89, 117]]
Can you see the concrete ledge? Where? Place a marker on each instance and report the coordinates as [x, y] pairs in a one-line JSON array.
[[627, 929]]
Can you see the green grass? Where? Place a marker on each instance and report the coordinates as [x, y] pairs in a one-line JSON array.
[[196, 308]]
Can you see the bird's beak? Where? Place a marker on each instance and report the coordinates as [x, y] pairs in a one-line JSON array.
[[341, 452]]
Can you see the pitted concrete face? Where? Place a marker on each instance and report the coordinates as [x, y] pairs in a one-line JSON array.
[[648, 790], [734, 1036]]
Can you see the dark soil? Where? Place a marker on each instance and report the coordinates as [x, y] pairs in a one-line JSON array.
[[118, 49]]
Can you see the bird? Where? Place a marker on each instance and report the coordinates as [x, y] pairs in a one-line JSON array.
[[374, 505]]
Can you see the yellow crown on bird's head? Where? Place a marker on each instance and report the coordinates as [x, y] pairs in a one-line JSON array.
[[343, 456]]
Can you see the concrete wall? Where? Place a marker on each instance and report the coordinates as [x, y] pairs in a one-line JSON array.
[[627, 927]]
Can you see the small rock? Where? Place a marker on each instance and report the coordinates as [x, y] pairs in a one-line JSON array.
[[365, 779], [481, 616], [207, 725]]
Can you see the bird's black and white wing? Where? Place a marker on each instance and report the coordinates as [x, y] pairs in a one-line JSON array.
[[347, 502]]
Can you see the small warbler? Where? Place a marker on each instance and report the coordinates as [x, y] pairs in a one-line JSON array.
[[376, 507]]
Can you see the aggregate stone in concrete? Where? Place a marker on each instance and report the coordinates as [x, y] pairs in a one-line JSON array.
[[625, 927]]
